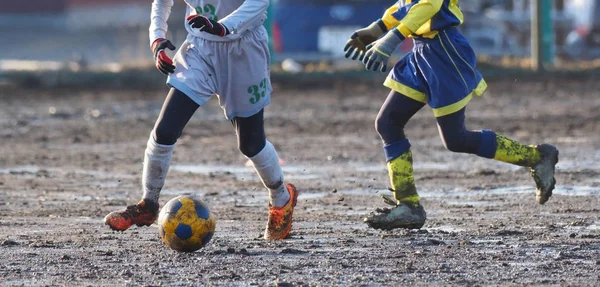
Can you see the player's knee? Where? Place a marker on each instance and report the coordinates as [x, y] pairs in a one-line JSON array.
[[454, 146], [166, 135], [382, 125], [251, 147], [454, 141]]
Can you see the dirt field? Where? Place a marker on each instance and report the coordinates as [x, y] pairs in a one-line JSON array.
[[68, 158]]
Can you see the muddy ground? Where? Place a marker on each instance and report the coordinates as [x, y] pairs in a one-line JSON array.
[[68, 158]]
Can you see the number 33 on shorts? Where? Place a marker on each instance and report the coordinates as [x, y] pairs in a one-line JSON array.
[[258, 91]]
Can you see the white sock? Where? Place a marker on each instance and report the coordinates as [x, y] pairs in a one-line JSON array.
[[266, 164], [156, 165]]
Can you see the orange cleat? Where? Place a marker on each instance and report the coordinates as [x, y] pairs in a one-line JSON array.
[[280, 218], [144, 213]]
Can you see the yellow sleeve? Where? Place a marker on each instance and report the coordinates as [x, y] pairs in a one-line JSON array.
[[388, 20], [417, 15]]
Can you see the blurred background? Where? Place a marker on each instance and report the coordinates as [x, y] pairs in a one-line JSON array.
[[307, 36]]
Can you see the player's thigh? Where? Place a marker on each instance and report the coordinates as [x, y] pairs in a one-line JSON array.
[[397, 110]]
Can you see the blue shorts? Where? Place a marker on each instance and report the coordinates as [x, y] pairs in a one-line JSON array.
[[439, 72]]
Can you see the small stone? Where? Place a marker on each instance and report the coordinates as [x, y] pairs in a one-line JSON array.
[[572, 235], [434, 242], [9, 242], [292, 251], [334, 190], [283, 284], [230, 250]]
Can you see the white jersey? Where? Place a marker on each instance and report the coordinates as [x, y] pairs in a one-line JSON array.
[[238, 16]]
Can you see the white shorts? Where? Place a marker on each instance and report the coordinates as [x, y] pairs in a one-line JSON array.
[[237, 72]]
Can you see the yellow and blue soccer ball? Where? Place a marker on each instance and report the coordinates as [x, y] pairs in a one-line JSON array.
[[186, 223]]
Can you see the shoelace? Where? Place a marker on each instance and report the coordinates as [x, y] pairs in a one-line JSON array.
[[389, 200], [132, 211]]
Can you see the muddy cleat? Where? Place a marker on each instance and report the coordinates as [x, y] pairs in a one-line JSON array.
[[543, 172], [402, 215], [280, 218], [144, 213]]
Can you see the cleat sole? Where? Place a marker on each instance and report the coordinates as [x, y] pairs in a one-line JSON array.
[[545, 196]]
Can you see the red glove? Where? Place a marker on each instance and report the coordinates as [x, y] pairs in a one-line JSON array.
[[207, 25], [163, 63]]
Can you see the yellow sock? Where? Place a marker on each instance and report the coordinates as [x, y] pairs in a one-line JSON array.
[[511, 151], [403, 180]]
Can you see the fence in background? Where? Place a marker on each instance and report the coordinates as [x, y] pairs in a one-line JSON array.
[[307, 36]]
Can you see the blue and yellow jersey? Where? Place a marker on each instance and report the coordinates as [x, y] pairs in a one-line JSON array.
[[422, 18]]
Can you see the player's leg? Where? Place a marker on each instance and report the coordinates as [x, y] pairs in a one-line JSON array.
[[541, 159], [457, 138], [243, 78], [175, 114], [393, 116], [253, 144], [192, 86], [391, 120]]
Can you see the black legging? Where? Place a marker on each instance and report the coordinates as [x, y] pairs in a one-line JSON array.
[[398, 109], [178, 109]]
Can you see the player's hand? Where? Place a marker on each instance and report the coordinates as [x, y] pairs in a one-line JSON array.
[[378, 53], [163, 63], [358, 42], [207, 25]]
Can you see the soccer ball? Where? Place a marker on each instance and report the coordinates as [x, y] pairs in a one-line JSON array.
[[186, 224]]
